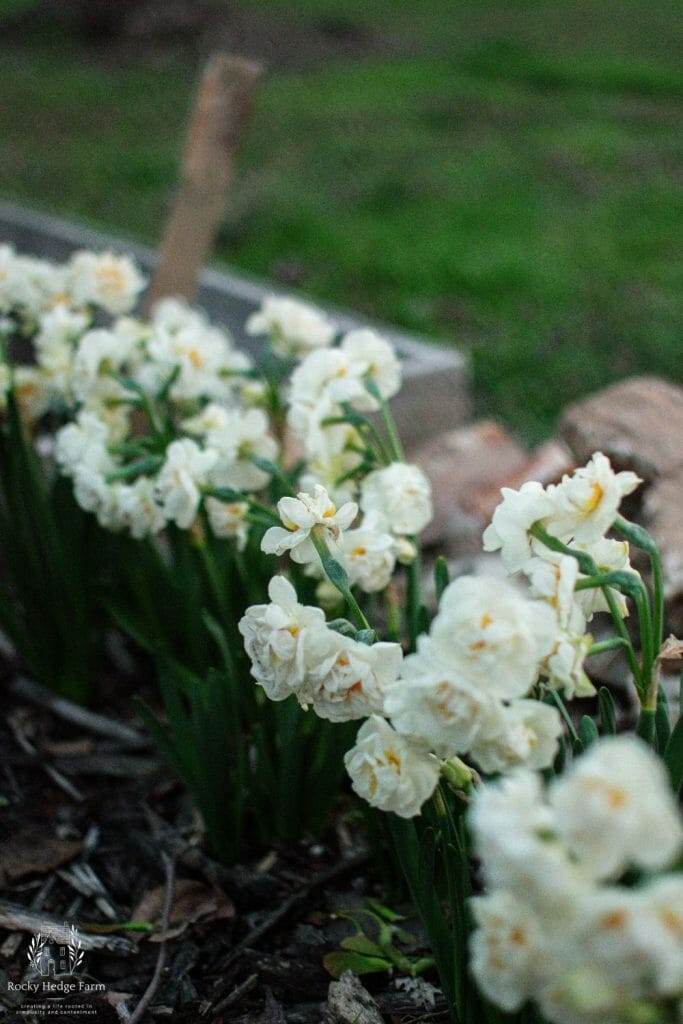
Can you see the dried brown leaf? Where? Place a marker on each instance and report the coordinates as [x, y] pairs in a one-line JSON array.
[[193, 902]]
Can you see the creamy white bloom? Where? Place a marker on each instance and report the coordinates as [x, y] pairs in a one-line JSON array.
[[586, 503], [100, 354], [139, 509], [497, 637], [512, 520], [213, 416], [33, 391], [331, 376], [178, 484], [106, 280], [615, 796], [84, 443], [243, 435], [515, 837], [507, 949], [657, 931], [302, 515], [435, 703], [346, 679], [228, 520], [609, 556], [55, 343], [326, 377], [402, 494], [176, 315], [295, 328], [553, 579], [276, 636], [390, 772], [564, 667], [370, 554], [524, 733], [372, 356], [202, 356]]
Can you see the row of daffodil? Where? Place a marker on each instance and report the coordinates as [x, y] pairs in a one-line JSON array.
[[471, 687]]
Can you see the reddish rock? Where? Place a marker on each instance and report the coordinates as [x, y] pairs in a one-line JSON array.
[[638, 423], [663, 505], [462, 465]]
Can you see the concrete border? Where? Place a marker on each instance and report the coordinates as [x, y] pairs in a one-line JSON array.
[[434, 396]]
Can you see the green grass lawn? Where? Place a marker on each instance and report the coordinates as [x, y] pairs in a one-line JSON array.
[[501, 175]]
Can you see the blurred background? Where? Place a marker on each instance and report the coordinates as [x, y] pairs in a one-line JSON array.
[[500, 175]]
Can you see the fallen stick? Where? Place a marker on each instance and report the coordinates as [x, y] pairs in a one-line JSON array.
[[148, 995], [52, 773], [221, 110], [15, 918], [91, 721]]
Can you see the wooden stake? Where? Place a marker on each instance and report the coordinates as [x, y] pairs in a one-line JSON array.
[[220, 113]]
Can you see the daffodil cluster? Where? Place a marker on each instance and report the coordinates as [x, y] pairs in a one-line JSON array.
[[50, 307], [583, 912]]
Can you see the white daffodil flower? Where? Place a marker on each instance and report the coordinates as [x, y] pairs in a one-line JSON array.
[[242, 436], [612, 797], [389, 771], [496, 637], [586, 503], [370, 553], [402, 494], [507, 949], [295, 328], [228, 520], [300, 516], [347, 680], [512, 520], [436, 704], [178, 484], [276, 637], [524, 733], [106, 280], [139, 509]]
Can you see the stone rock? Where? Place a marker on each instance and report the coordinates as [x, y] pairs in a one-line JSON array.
[[663, 504], [546, 464], [638, 423], [462, 464], [348, 1002], [467, 467]]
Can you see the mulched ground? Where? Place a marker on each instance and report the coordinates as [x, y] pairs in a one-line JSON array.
[[93, 827]]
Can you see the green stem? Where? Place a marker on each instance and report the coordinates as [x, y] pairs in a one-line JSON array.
[[615, 644], [336, 574], [640, 538], [388, 420], [588, 566]]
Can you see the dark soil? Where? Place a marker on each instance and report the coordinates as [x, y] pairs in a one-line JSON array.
[[244, 943]]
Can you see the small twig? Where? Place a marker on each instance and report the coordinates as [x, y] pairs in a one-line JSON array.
[[17, 918], [112, 765], [31, 691], [57, 777], [297, 899], [141, 1008], [236, 994]]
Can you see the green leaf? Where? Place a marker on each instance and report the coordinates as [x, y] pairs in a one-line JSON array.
[[386, 912], [662, 720], [588, 731], [360, 943], [673, 756], [441, 575], [608, 712], [338, 962]]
